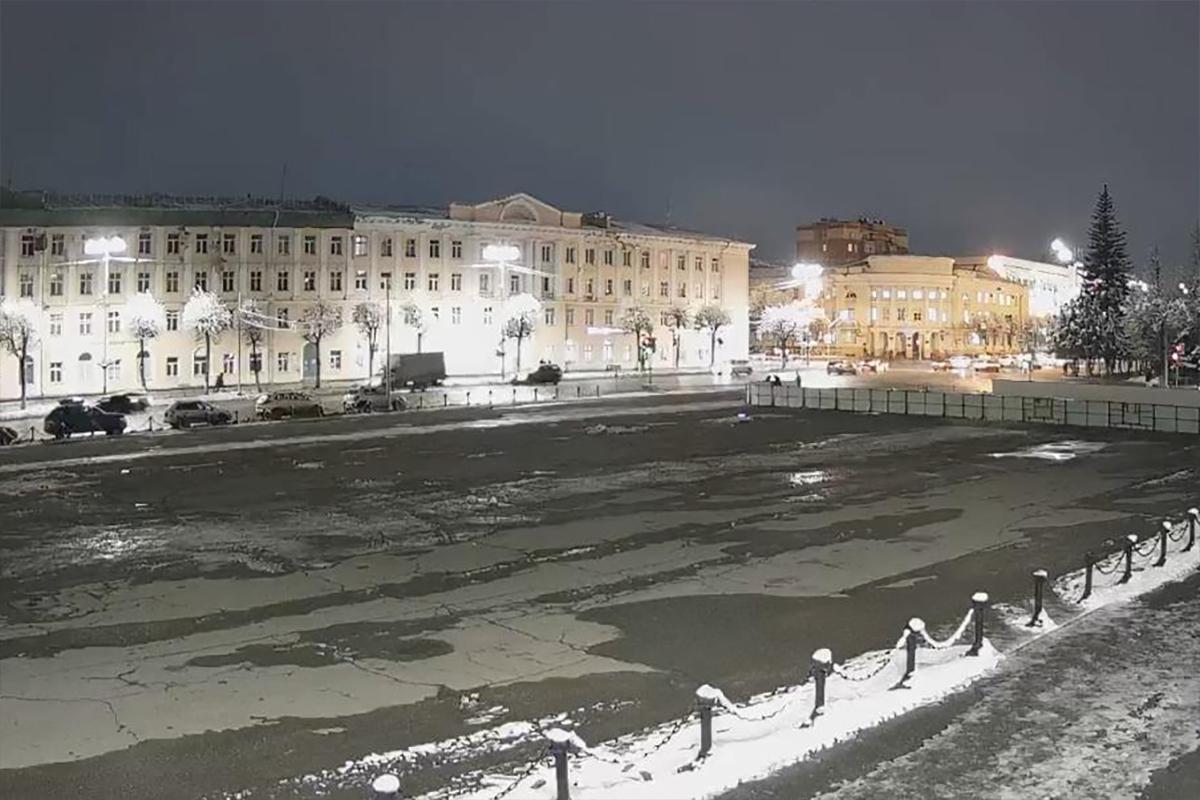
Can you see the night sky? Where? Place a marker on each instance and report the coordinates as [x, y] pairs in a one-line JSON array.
[[982, 127]]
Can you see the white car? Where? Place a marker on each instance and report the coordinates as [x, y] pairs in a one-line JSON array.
[[961, 362], [985, 365]]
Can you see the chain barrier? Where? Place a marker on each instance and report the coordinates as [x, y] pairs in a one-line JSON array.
[[1151, 545], [1181, 530], [862, 678], [1117, 558], [954, 637], [533, 765], [679, 726]]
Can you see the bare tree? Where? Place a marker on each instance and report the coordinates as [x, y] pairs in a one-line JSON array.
[[253, 334], [522, 313], [147, 318], [18, 333], [636, 320], [319, 320], [417, 318], [782, 325], [712, 318], [368, 317], [678, 318], [207, 316]]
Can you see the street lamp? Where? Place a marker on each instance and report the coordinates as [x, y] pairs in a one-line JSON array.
[[1062, 253], [105, 247]]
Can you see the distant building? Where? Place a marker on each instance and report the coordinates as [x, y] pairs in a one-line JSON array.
[[921, 307], [1050, 285], [583, 270], [833, 242]]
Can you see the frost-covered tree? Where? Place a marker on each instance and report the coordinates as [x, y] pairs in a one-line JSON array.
[[1156, 317], [317, 321], [782, 326], [520, 318], [678, 319], [19, 333], [205, 315], [636, 320], [253, 334], [1105, 271], [417, 316], [147, 319], [368, 318], [711, 318]]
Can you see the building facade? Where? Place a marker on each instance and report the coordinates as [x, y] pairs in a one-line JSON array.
[[833, 242], [920, 307], [1051, 286], [583, 270]]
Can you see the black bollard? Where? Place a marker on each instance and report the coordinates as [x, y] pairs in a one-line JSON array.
[[489, 398], [822, 662], [514, 395], [1193, 524], [978, 604], [914, 628], [385, 787], [1129, 542], [1163, 532], [1089, 561], [445, 400], [597, 390], [421, 402], [578, 390], [1039, 585], [468, 398], [535, 394], [706, 699], [560, 746], [556, 391]]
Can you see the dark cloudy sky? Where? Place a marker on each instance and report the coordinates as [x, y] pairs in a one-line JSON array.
[[980, 126]]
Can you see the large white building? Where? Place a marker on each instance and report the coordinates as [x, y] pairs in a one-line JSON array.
[[583, 269], [1050, 286]]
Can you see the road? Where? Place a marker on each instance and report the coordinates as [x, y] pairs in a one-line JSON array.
[[224, 612]]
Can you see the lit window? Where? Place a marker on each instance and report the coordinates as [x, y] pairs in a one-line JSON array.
[[901, 294], [360, 245]]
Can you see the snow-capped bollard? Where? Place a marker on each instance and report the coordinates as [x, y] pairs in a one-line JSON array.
[[914, 628], [822, 663], [1163, 532], [1039, 586], [385, 787], [706, 699], [979, 602], [1128, 542], [561, 743], [1089, 563], [1193, 524]]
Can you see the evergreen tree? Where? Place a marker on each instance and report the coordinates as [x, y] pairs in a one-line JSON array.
[[1106, 282]]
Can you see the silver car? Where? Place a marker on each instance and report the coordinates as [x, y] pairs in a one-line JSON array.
[[365, 399], [278, 405], [186, 413]]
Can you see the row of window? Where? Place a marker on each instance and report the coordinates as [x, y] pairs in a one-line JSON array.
[[941, 294]]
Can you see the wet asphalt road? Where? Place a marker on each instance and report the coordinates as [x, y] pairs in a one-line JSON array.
[[229, 610]]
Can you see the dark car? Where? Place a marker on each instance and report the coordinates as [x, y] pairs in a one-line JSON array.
[[70, 418], [545, 373], [124, 403], [280, 405], [363, 399], [8, 436], [186, 413], [841, 368]]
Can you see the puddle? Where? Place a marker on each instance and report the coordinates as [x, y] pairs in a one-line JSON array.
[[1055, 451]]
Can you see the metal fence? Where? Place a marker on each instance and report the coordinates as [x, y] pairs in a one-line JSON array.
[[982, 407]]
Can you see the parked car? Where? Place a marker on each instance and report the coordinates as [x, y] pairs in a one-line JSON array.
[[8, 436], [740, 368], [186, 413], [840, 367], [872, 365], [124, 403], [278, 405], [940, 366], [545, 373], [986, 365], [364, 399], [961, 362], [68, 418]]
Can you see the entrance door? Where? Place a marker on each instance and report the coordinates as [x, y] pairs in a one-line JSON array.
[[309, 359]]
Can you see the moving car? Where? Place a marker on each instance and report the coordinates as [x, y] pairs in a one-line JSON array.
[[740, 368], [961, 362], [986, 365], [124, 403], [545, 373], [840, 367], [186, 413], [70, 417], [940, 366], [872, 365], [279, 405], [364, 399]]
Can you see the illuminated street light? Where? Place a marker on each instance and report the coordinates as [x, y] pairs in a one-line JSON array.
[[501, 253], [105, 247], [1062, 252]]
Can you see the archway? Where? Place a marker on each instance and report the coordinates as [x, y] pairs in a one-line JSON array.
[[916, 346], [309, 361]]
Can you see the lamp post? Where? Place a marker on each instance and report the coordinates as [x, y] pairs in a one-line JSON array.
[[105, 247], [387, 367]]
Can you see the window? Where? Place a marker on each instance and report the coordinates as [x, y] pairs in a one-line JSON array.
[[645, 289], [487, 315], [85, 282], [485, 284], [699, 263], [886, 294], [310, 245], [645, 259], [360, 249], [455, 315], [145, 243], [590, 288], [385, 247], [26, 281], [570, 286], [282, 361], [547, 252], [227, 364], [85, 323], [626, 259], [310, 280], [229, 244], [916, 316], [933, 315], [335, 245], [58, 246], [589, 255], [681, 262], [143, 281], [548, 315], [664, 289], [918, 294], [456, 281], [114, 370], [589, 316], [432, 281], [114, 322], [256, 280], [335, 359], [256, 243], [570, 255], [282, 279], [114, 282], [172, 244], [716, 292], [682, 289], [282, 315], [227, 280], [435, 312], [608, 258], [887, 314], [456, 249], [849, 247], [335, 281], [410, 248], [172, 281], [28, 243], [360, 280], [514, 284], [901, 294], [608, 317], [608, 287], [283, 245], [172, 366], [901, 314], [199, 364], [410, 281], [699, 290], [172, 320], [716, 265], [56, 324], [570, 316], [202, 281], [547, 286], [587, 352], [56, 372], [202, 243], [435, 248]]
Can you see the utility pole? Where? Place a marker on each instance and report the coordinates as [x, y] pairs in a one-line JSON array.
[[387, 366], [238, 312]]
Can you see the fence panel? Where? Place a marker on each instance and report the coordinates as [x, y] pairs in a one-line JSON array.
[[862, 400], [879, 400], [973, 406], [935, 404], [897, 402], [1011, 409], [1189, 420], [1165, 418], [828, 398], [993, 408], [1076, 412], [1097, 413], [812, 398], [1135, 416], [916, 401]]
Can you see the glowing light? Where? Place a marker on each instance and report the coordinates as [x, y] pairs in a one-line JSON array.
[[1062, 253], [501, 253], [104, 245], [804, 271], [996, 262]]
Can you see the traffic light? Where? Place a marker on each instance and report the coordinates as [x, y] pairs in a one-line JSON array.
[[1177, 353]]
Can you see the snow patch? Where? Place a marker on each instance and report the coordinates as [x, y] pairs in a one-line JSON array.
[[1055, 451]]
